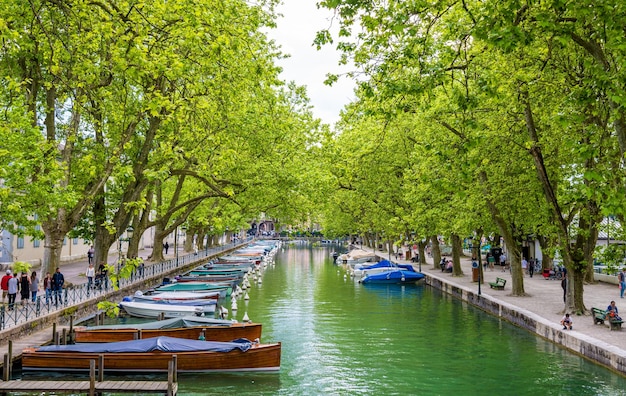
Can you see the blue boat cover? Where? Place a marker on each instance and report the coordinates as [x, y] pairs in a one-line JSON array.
[[164, 344], [398, 276]]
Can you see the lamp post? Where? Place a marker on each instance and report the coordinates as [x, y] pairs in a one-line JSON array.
[[129, 234], [176, 245], [478, 256]]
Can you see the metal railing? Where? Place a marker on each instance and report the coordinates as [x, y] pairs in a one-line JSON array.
[[26, 310]]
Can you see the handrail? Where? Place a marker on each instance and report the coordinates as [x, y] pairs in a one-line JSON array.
[[74, 295]]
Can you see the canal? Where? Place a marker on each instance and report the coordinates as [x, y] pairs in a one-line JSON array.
[[343, 338]]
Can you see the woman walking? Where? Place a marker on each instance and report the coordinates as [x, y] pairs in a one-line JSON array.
[[24, 287], [34, 286], [47, 287]]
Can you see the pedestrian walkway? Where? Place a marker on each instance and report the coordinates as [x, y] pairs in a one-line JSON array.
[[74, 273], [544, 299]]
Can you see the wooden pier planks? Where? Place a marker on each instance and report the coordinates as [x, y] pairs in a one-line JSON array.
[[83, 386]]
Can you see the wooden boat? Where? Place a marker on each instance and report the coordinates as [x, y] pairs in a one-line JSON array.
[[153, 355], [153, 310], [191, 328]]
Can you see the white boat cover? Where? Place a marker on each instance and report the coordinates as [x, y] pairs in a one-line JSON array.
[[164, 344]]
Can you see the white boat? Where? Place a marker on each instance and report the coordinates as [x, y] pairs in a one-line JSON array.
[[152, 310], [362, 270], [357, 256], [176, 296]]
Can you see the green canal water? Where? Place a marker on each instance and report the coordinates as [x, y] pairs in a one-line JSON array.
[[343, 338]]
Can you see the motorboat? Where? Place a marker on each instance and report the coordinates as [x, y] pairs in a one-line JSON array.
[[153, 310], [361, 270], [189, 327], [393, 277], [154, 354]]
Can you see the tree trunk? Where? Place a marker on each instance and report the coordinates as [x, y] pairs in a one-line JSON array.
[[53, 244], [457, 249], [157, 244], [188, 245], [514, 253], [421, 250], [435, 251]]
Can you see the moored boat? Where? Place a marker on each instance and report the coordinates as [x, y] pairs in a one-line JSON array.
[[177, 296], [225, 289], [169, 310], [392, 277], [361, 270], [192, 328], [154, 354], [209, 278]]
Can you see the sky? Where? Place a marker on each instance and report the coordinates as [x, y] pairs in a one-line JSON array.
[[308, 66]]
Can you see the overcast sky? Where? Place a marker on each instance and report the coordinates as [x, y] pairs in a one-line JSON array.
[[308, 66]]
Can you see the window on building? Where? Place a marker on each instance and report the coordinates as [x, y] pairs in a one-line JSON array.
[[64, 241], [36, 242], [20, 239], [75, 241]]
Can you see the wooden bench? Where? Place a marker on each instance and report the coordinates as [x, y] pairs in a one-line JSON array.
[[498, 284], [599, 316]]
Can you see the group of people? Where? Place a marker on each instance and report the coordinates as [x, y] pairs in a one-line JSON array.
[[28, 286], [92, 276], [611, 312], [445, 265]]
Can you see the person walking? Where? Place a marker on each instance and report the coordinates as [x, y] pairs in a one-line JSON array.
[[621, 277], [57, 286], [47, 287], [90, 254], [24, 288], [4, 284], [90, 273], [166, 246], [34, 286], [13, 288], [531, 267], [104, 279]]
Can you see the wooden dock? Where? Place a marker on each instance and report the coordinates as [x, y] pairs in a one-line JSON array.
[[91, 388]]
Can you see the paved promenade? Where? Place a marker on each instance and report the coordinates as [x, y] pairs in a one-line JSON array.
[[544, 299]]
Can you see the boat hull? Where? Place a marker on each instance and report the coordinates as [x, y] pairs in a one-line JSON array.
[[264, 357], [251, 331]]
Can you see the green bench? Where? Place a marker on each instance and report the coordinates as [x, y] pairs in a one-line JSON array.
[[498, 284], [599, 316]]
